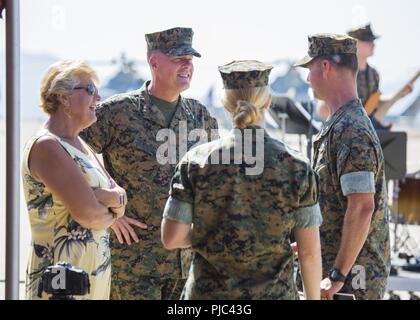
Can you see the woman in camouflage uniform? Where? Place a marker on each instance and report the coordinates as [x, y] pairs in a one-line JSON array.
[[238, 219]]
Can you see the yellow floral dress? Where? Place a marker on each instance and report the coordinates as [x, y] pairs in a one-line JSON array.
[[56, 236]]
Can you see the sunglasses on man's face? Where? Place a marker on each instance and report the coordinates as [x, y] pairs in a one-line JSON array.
[[90, 89]]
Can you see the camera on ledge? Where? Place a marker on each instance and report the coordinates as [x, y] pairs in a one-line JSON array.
[[63, 281]]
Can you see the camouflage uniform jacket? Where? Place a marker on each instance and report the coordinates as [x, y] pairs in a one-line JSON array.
[[348, 158], [367, 83], [126, 134], [242, 223]]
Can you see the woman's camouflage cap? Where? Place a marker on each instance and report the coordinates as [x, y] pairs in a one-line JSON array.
[[325, 44], [245, 74], [173, 42]]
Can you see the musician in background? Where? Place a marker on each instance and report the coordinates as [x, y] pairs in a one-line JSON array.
[[368, 78]]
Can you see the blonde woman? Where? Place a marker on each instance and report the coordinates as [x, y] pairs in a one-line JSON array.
[[238, 221], [71, 199]]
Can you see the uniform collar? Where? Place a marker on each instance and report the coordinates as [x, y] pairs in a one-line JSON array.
[[152, 112], [337, 115], [254, 128]]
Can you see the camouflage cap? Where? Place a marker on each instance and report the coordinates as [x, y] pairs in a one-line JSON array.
[[325, 44], [363, 33], [245, 74], [174, 42]]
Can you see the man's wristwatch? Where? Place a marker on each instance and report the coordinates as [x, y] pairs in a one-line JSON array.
[[335, 275]]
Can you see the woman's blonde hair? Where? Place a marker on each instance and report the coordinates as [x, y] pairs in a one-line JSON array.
[[60, 78], [246, 105]]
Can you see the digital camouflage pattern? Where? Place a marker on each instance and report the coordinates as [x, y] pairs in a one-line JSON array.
[[245, 74], [147, 288], [324, 44], [125, 133], [367, 83], [174, 42], [348, 143], [363, 33], [242, 223]]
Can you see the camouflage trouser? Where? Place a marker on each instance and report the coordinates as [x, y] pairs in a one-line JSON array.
[[146, 288], [375, 289]]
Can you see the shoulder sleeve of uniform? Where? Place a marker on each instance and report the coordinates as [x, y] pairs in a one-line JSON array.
[[178, 210], [308, 213], [181, 185], [357, 162], [99, 135]]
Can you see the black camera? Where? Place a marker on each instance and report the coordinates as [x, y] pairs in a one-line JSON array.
[[63, 281]]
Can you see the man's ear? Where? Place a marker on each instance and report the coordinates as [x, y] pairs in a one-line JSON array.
[[153, 61], [327, 68]]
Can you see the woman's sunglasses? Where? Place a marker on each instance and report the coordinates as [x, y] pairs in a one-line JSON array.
[[90, 89]]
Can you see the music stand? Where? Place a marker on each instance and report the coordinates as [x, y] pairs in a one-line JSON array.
[[394, 147], [298, 118], [293, 118]]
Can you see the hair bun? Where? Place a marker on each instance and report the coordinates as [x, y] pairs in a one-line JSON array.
[[245, 114]]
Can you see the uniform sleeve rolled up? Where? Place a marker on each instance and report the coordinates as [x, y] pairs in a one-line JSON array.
[[308, 213], [178, 210]]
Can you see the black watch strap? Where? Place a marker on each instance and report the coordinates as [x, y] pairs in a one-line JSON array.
[[335, 275]]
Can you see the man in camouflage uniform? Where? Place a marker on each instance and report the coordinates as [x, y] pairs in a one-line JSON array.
[[242, 221], [368, 77], [126, 133], [349, 161]]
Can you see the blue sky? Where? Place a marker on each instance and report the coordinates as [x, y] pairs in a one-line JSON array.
[[99, 30]]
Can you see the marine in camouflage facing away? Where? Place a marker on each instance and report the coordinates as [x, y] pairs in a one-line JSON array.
[[126, 134], [245, 74], [241, 222]]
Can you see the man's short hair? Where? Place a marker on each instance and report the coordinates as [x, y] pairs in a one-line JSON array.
[[343, 61]]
